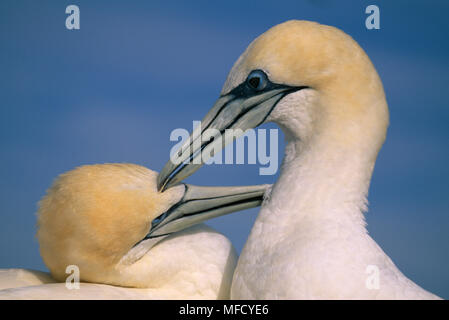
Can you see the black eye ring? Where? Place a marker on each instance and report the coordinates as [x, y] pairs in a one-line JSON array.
[[257, 80]]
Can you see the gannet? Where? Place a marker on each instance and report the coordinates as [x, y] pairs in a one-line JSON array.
[[130, 241], [309, 240]]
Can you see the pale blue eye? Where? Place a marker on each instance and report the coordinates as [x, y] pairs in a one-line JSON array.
[[257, 80]]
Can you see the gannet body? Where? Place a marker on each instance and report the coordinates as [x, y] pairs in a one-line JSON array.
[[130, 241], [14, 278], [309, 240]]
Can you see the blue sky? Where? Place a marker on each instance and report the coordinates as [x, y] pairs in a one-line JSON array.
[[115, 89]]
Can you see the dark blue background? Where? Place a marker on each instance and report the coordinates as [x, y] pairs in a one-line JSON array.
[[115, 89]]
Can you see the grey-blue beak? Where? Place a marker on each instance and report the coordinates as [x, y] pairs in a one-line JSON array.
[[245, 107], [203, 203]]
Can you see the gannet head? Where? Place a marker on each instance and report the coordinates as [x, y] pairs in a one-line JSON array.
[[102, 217], [313, 80]]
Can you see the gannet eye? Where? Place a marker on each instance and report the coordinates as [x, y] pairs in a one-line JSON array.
[[257, 80]]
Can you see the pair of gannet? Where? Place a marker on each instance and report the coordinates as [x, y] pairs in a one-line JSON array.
[[309, 240], [122, 235]]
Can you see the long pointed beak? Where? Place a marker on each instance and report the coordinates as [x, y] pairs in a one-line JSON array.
[[239, 110], [203, 203]]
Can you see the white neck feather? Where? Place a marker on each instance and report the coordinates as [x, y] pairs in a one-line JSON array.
[[319, 182]]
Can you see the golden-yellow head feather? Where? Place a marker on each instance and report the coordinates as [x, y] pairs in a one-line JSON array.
[[349, 101], [93, 215]]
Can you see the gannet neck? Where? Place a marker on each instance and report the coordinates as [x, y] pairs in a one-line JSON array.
[[309, 240], [320, 183], [328, 159], [177, 263]]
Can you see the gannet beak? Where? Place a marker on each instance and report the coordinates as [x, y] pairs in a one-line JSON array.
[[241, 109], [203, 203]]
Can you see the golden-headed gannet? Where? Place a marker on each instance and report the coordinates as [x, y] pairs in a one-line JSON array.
[[125, 237], [309, 240]]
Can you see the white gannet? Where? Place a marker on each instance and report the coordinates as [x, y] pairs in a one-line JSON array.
[[111, 222], [309, 240]]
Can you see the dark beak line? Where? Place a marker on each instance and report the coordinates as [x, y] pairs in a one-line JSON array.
[[202, 203], [255, 198], [162, 185], [168, 176]]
